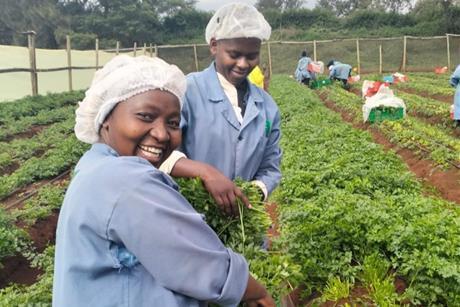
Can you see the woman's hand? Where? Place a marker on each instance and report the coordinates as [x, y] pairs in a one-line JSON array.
[[223, 190], [256, 295], [263, 302]]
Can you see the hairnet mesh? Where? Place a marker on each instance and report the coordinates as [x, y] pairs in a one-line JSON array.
[[237, 20], [120, 79]]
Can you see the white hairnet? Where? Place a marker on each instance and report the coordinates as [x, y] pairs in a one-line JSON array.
[[120, 79], [237, 20]]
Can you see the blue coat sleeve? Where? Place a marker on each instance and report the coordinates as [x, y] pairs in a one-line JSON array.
[[175, 245], [269, 170], [332, 73], [455, 78]]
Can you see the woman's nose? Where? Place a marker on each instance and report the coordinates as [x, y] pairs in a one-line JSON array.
[[242, 63], [160, 132]]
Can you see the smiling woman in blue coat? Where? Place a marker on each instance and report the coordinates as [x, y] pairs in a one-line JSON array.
[[231, 128], [125, 235]]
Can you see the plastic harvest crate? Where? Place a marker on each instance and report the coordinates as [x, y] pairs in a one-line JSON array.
[[315, 84], [385, 113]]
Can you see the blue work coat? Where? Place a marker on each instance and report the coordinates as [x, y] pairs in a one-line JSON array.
[[340, 71], [455, 81], [302, 72], [127, 237], [212, 134]]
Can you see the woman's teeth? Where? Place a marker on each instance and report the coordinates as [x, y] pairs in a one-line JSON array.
[[152, 150]]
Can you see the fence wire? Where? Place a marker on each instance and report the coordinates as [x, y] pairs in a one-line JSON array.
[[387, 54]]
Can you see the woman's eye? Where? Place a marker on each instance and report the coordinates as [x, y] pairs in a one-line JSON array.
[[174, 124], [145, 116], [234, 55]]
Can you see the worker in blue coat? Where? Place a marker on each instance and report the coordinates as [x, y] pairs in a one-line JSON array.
[[125, 235], [231, 128], [455, 82], [339, 71], [302, 74]]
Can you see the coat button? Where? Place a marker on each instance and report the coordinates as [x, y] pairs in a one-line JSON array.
[[240, 138]]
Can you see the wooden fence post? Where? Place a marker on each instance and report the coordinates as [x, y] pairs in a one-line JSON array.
[[314, 50], [145, 49], [358, 60], [134, 49], [117, 52], [380, 60], [151, 50], [196, 57], [448, 52], [156, 50], [69, 61], [33, 62], [269, 59], [97, 53], [404, 54]]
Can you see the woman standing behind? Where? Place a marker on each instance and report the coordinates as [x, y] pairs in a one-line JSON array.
[[231, 128], [125, 235]]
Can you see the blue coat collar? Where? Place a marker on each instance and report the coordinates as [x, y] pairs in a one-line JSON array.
[[215, 91]]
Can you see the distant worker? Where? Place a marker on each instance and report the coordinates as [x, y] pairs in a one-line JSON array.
[[455, 82], [302, 73], [339, 71]]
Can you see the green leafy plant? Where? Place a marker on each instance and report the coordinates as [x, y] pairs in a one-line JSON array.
[[336, 289], [378, 282]]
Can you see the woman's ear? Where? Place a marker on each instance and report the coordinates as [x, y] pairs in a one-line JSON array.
[[213, 46], [106, 124]]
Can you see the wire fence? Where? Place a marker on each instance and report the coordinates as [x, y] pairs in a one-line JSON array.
[[31, 71]]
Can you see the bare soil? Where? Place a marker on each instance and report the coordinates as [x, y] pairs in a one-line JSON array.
[[34, 130], [16, 199], [17, 269], [273, 231], [9, 169], [444, 98]]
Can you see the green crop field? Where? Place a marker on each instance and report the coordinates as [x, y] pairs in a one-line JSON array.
[[358, 222]]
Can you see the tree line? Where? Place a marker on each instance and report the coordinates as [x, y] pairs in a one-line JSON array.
[[178, 21]]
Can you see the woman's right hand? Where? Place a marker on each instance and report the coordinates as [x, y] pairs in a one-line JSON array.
[[223, 190], [256, 295], [267, 301]]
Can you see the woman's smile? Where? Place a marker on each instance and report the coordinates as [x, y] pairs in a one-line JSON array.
[[150, 153]]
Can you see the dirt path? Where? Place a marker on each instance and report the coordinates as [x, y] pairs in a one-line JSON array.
[[32, 131], [16, 199], [446, 182], [17, 269], [438, 97]]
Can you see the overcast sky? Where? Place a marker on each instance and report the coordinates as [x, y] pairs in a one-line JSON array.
[[212, 5]]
